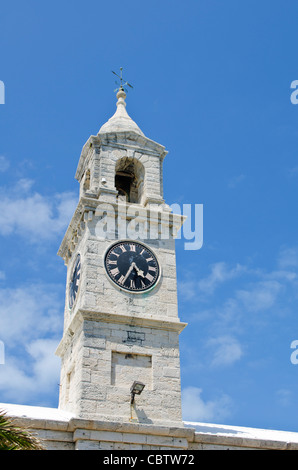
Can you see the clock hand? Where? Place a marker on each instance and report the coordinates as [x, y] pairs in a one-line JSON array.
[[129, 271], [139, 271]]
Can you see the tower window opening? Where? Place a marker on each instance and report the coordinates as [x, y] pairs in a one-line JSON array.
[[123, 183], [129, 178]]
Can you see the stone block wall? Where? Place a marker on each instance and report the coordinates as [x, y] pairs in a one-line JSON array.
[[82, 434], [102, 362]]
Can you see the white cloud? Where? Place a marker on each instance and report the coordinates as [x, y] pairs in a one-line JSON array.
[[288, 258], [46, 366], [255, 303], [200, 289], [233, 182], [254, 290], [233, 318], [23, 186], [220, 273], [224, 350], [194, 408], [31, 315], [34, 379], [292, 172], [260, 296], [28, 312], [15, 385], [188, 289], [284, 397], [4, 164], [31, 322], [32, 215]]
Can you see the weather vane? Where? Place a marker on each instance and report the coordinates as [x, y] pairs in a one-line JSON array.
[[123, 83]]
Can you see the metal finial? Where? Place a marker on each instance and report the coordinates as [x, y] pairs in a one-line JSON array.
[[122, 82]]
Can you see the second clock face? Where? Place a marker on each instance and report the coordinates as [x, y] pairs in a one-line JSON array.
[[74, 281], [132, 266]]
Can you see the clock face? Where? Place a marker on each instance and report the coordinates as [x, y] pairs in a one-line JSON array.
[[74, 281], [132, 266]]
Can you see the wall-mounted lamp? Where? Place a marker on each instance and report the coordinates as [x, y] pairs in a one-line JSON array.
[[136, 389]]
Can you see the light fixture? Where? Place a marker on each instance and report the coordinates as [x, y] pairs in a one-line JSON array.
[[136, 389]]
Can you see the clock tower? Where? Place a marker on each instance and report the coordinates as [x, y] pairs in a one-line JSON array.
[[121, 324]]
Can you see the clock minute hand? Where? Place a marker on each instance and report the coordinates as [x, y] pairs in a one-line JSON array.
[[129, 271]]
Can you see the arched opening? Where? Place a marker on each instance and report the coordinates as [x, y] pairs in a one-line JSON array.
[[129, 179]]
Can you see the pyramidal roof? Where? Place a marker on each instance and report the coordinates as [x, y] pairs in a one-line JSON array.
[[120, 121]]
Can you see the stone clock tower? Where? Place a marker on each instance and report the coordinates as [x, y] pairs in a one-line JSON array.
[[121, 324], [121, 321]]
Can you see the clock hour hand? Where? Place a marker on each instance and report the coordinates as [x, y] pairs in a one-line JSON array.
[[133, 266], [139, 271]]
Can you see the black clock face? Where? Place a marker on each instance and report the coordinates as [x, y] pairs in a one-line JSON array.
[[74, 281], [132, 266]]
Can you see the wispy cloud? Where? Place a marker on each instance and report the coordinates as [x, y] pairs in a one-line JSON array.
[[288, 258], [32, 215], [259, 296], [31, 314], [251, 300], [293, 172], [220, 273], [194, 408], [33, 382], [235, 181], [224, 350], [284, 397], [21, 306], [4, 164], [31, 320]]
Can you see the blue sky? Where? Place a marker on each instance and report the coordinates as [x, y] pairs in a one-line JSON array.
[[211, 83]]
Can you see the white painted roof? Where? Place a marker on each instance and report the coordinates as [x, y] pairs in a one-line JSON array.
[[243, 432], [39, 412], [35, 412]]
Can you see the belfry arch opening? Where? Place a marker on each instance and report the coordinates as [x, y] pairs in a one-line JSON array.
[[129, 179]]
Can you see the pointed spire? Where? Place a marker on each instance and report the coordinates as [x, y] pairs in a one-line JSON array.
[[120, 121]]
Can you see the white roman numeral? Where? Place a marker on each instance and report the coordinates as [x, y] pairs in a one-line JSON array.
[[114, 271], [152, 268]]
